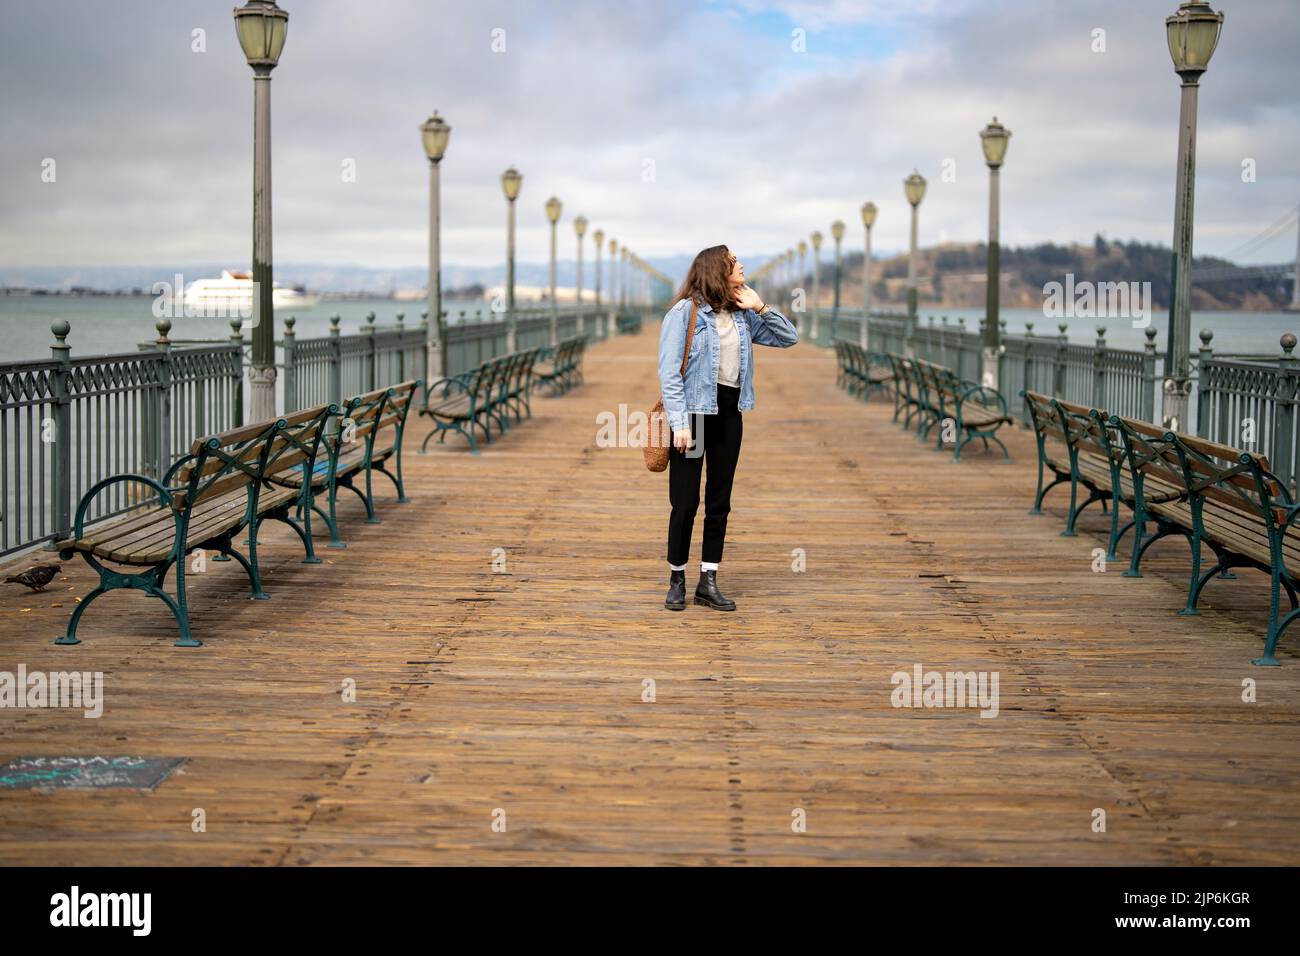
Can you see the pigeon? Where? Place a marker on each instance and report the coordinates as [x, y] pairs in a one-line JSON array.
[[35, 577]]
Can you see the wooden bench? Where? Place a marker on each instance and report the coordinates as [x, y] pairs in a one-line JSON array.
[[225, 485], [860, 372], [976, 411], [1246, 516], [905, 401], [1223, 497], [1076, 444], [353, 447], [477, 398], [628, 323], [561, 368]]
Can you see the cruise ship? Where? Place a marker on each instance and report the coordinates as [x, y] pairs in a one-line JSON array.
[[233, 294]]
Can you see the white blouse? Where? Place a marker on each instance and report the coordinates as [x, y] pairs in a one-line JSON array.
[[728, 349]]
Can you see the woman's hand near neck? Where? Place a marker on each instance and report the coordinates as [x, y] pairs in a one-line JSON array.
[[747, 298]]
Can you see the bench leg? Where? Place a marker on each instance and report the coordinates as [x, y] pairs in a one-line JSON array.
[[1224, 562], [251, 566], [1194, 587], [178, 607], [71, 636], [1276, 626], [1163, 531], [1118, 536], [397, 483], [331, 521], [1114, 528], [1069, 531], [1093, 495], [370, 499]]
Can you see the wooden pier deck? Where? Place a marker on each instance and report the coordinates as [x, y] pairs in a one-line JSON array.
[[523, 691]]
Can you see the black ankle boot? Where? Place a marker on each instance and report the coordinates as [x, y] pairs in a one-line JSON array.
[[676, 600], [707, 593]]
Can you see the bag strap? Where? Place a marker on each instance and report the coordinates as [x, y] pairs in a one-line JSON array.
[[690, 331]]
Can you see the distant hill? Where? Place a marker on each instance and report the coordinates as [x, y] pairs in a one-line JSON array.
[[953, 275]]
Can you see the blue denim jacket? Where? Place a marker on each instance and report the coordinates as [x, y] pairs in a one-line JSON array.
[[698, 392]]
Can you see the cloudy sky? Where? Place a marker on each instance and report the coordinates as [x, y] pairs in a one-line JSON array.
[[671, 124]]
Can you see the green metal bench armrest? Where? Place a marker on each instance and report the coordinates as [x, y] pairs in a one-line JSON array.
[[164, 500], [984, 392], [462, 381], [176, 466]]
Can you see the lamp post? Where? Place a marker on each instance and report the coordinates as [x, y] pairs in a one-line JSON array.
[[580, 230], [816, 239], [837, 233], [261, 27], [868, 220], [802, 246], [598, 239], [511, 180], [613, 283], [623, 278], [789, 271], [1193, 32], [434, 134], [553, 208], [994, 139], [914, 189]]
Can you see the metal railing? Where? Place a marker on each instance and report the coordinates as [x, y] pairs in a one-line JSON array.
[[1249, 402], [330, 367], [66, 424], [1121, 381]]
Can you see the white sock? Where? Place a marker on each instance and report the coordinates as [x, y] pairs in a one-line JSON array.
[[708, 566], [676, 567]]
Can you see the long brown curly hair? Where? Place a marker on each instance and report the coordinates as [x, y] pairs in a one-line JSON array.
[[709, 279]]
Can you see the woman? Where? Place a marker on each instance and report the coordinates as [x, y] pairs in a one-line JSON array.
[[703, 406]]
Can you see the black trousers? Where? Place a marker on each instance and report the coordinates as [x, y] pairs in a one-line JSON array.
[[721, 439]]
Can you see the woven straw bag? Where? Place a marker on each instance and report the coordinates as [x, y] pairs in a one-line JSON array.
[[659, 441]]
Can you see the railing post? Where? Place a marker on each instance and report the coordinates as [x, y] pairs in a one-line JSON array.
[[61, 407], [336, 362], [369, 331], [424, 336], [1149, 377], [1099, 371], [1285, 421], [290, 367], [163, 449], [441, 372], [401, 349], [1058, 371], [961, 346], [1204, 395], [237, 386], [1028, 379]]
